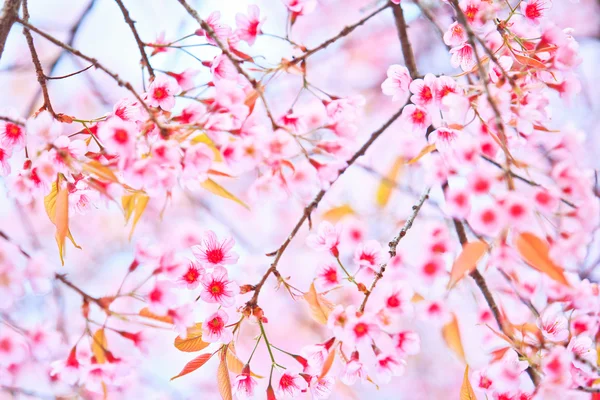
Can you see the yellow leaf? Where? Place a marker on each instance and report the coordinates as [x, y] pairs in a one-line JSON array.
[[335, 214], [193, 341], [145, 312], [451, 335], [219, 190], [466, 391], [320, 307], [193, 365], [535, 252], [234, 364], [223, 381], [99, 346], [384, 191], [101, 171], [203, 138], [529, 62], [467, 261], [328, 363], [426, 150], [128, 202], [134, 205], [56, 204]]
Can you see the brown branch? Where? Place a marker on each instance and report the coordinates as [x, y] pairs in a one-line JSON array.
[[306, 215], [99, 66], [407, 51], [71, 74], [344, 32], [489, 298], [39, 71], [393, 245], [70, 41], [138, 40], [9, 15], [11, 120]]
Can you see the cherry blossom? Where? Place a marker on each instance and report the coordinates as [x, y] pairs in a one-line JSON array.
[[397, 83], [212, 253], [217, 288]]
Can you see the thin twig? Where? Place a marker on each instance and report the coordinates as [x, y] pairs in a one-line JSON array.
[[407, 51], [11, 120], [138, 40], [71, 74], [393, 245]]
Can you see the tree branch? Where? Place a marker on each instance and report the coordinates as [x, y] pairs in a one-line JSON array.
[[138, 40], [407, 51], [9, 15]]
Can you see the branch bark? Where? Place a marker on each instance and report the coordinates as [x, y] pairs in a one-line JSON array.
[[10, 13], [136, 35], [407, 51]]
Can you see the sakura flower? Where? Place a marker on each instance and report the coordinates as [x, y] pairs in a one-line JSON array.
[[388, 366], [397, 83], [291, 384], [70, 370], [554, 325], [444, 138], [506, 372], [432, 268], [423, 91], [557, 365], [327, 276], [244, 384], [5, 154], [300, 7], [535, 10], [455, 35], [321, 388], [183, 318], [416, 119], [192, 277], [369, 254], [212, 253], [12, 136], [197, 161], [327, 238], [43, 341], [222, 31], [217, 288], [161, 93], [214, 330], [583, 347], [316, 354], [184, 79], [12, 349], [361, 331], [486, 220], [458, 202], [249, 27], [43, 128], [497, 71], [353, 371], [397, 297], [118, 136], [444, 85], [128, 109], [463, 56], [407, 342], [222, 68], [161, 297]]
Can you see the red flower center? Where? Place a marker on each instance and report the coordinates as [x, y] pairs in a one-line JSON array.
[[159, 93], [215, 256], [393, 301], [191, 275], [361, 329], [121, 136], [217, 288]]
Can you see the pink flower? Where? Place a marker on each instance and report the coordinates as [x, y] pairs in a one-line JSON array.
[[535, 10], [161, 297], [416, 119], [557, 365], [249, 26], [554, 325], [161, 93], [291, 385], [486, 220], [69, 370], [192, 277], [321, 388], [407, 343], [506, 372], [397, 83], [300, 7], [423, 91], [217, 288], [197, 161], [389, 365], [443, 138], [327, 276], [222, 31], [361, 331], [183, 318], [397, 297], [369, 254], [213, 253], [463, 56], [326, 239], [458, 203], [118, 137], [185, 79], [214, 330], [12, 349], [12, 136], [455, 35], [222, 68], [4, 158], [353, 371], [244, 384]]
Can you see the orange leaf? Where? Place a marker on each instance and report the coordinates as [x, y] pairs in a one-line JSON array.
[[56, 204], [535, 252], [223, 381], [99, 346], [328, 363], [451, 335], [467, 261], [219, 190], [335, 214], [144, 312], [528, 61], [193, 341], [426, 150], [384, 191], [466, 391], [101, 171], [320, 307], [193, 365]]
